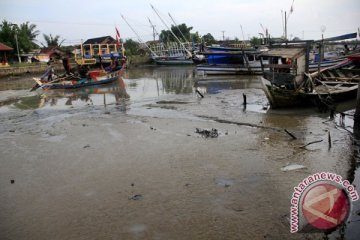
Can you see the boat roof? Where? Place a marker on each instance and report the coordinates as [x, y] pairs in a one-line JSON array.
[[230, 52], [285, 52]]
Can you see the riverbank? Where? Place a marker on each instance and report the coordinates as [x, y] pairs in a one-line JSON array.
[[31, 68]]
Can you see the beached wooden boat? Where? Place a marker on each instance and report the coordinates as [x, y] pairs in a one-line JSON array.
[[314, 66], [94, 77], [287, 82]]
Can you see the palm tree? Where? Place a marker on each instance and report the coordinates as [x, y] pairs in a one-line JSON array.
[[30, 30], [7, 33], [27, 33], [53, 41]]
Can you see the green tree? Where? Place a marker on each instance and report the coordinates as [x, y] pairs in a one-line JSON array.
[[53, 41], [7, 34], [196, 37], [26, 36], [209, 39], [182, 32], [254, 41], [131, 47], [25, 33]]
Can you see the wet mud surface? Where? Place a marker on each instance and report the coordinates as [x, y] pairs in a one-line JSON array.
[[133, 160]]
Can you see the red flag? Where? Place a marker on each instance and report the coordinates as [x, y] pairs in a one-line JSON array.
[[117, 37], [117, 41]]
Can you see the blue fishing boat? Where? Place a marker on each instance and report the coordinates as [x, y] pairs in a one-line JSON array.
[[231, 62]]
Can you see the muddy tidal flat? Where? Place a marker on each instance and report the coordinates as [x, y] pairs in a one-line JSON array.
[[132, 160]]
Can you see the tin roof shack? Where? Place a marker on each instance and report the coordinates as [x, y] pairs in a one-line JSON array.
[[4, 49], [49, 53]]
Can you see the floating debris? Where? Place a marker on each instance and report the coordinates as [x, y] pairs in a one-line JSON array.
[[292, 167], [317, 141], [86, 146], [136, 197], [198, 92], [223, 182], [290, 134], [12, 181], [171, 102], [213, 133]]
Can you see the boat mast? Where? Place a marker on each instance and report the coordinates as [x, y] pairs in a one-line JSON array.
[[139, 38], [177, 26], [187, 51], [154, 29], [242, 33], [287, 18]]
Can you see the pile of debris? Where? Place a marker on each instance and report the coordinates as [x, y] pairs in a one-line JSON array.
[[213, 133]]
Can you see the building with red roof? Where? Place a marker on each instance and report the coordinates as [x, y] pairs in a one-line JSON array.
[[3, 58]]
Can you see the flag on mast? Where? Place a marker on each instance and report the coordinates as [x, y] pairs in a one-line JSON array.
[[117, 37]]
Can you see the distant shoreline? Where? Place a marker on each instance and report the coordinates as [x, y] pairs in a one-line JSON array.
[[41, 67]]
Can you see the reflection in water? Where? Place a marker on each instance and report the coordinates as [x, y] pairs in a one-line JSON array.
[[113, 93], [162, 80], [215, 84], [16, 82], [25, 103], [138, 84]]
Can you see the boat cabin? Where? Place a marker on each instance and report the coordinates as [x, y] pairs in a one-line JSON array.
[[285, 67], [91, 53]]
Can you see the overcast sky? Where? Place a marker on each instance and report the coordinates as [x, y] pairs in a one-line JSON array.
[[74, 20]]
